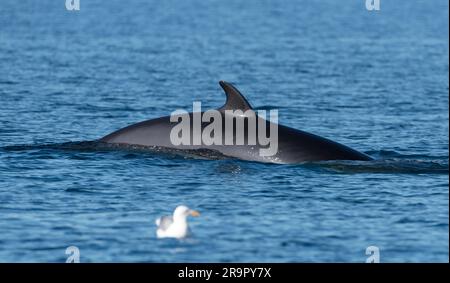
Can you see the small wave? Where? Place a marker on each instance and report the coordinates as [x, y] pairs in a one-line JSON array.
[[389, 154], [82, 145], [268, 107], [202, 153], [79, 190], [386, 162], [389, 162]]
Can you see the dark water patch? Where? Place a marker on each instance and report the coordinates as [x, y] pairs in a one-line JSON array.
[[8, 82], [408, 220], [81, 190]]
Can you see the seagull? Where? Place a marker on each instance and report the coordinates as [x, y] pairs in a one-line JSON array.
[[175, 226]]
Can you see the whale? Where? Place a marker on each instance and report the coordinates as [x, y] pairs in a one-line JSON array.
[[292, 145]]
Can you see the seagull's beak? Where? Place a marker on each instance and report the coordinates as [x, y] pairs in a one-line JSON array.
[[194, 213]]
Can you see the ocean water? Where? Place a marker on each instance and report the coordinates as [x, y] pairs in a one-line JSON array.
[[374, 80]]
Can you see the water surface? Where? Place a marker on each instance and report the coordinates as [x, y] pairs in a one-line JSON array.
[[375, 81]]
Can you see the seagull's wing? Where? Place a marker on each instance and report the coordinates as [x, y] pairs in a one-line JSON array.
[[164, 222]]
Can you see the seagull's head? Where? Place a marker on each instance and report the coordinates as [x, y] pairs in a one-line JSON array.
[[182, 212]]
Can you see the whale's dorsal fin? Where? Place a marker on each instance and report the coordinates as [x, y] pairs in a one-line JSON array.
[[235, 100]]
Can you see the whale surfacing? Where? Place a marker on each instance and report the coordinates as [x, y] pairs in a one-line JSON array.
[[274, 143]]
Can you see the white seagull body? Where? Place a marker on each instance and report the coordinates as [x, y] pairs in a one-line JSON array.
[[175, 226]]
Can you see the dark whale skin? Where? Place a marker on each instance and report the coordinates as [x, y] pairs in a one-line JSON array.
[[294, 146]]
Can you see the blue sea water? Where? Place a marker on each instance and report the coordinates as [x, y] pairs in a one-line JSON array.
[[376, 81]]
